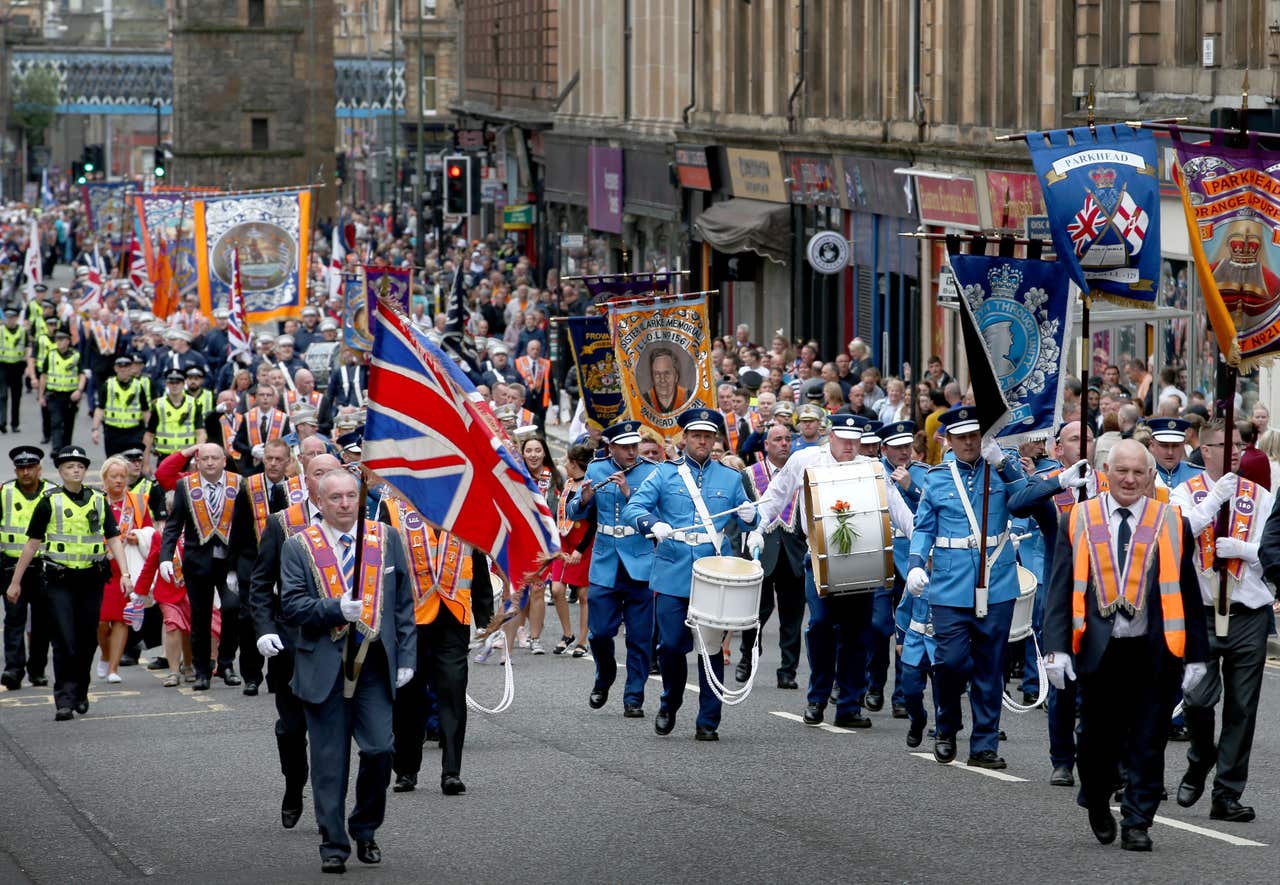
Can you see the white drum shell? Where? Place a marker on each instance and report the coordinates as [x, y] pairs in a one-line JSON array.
[[868, 566], [1024, 607], [725, 593]]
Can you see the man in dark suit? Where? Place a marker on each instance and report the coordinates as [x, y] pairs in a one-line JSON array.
[[203, 508], [276, 642], [385, 632], [1130, 646], [348, 386]]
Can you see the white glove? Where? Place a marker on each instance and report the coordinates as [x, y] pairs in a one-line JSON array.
[[233, 581], [269, 645], [755, 543], [258, 450], [1057, 666], [917, 580], [746, 511], [992, 453], [350, 606], [1192, 675], [1234, 548], [166, 571], [661, 531], [1224, 489], [1074, 476], [403, 675]]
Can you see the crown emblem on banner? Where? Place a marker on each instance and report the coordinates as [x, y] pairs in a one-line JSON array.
[[1103, 178], [1245, 247], [1004, 281]]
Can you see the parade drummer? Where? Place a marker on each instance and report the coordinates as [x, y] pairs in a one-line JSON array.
[[830, 661], [698, 496], [621, 561]]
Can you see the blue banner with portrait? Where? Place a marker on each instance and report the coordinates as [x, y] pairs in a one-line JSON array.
[[598, 377], [1102, 193], [1021, 311]]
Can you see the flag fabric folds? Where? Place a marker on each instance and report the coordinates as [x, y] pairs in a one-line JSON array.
[[237, 322]]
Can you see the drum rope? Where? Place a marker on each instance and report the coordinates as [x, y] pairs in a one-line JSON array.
[[1042, 678], [508, 687], [727, 696]]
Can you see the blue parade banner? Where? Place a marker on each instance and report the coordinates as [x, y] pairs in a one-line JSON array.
[[1102, 194], [598, 376], [1021, 309]]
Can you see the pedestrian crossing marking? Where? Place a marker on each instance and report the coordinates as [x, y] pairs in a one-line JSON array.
[[688, 686], [998, 775], [821, 726], [1238, 841]]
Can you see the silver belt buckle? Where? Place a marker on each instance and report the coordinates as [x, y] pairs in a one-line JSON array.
[[973, 542]]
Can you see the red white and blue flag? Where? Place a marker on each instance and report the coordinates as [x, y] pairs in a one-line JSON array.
[[237, 321], [433, 438]]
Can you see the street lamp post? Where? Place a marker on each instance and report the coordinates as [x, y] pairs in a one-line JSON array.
[[419, 167]]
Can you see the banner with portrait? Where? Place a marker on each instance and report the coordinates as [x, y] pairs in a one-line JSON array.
[[356, 310], [272, 232], [663, 349], [1231, 198], [104, 207], [609, 287], [1102, 195], [598, 378], [1020, 310]]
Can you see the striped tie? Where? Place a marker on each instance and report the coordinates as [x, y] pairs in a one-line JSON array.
[[215, 500], [348, 559]]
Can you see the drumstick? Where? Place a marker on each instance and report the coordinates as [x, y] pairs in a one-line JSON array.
[[698, 525]]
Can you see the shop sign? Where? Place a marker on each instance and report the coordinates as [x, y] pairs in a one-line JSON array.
[[756, 175]]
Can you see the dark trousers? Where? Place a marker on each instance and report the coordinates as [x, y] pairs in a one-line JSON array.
[[17, 656], [1236, 663], [628, 601], [971, 652], [75, 600], [912, 685], [836, 639], [251, 661], [200, 590], [880, 642], [291, 726], [442, 673], [10, 393], [1124, 724], [62, 419], [675, 641], [788, 587], [332, 724], [481, 603], [116, 440], [1063, 708]]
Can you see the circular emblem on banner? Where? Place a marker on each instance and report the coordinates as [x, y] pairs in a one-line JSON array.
[[828, 251], [1012, 337], [268, 254]]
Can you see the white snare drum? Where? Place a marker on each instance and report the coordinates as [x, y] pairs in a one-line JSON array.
[[1020, 627], [725, 593], [869, 563]]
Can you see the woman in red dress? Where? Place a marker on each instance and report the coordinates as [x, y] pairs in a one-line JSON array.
[[574, 563], [131, 513]]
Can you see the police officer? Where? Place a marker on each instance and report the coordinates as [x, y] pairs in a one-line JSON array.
[[971, 626], [700, 496], [1168, 444], [196, 389], [621, 561], [17, 502], [61, 388], [175, 422], [77, 529], [15, 350], [123, 410]]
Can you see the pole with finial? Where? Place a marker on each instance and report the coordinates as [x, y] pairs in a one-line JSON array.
[[1086, 349]]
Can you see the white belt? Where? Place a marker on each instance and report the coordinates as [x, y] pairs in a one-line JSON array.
[[898, 533], [971, 542], [615, 531], [921, 627], [693, 539]]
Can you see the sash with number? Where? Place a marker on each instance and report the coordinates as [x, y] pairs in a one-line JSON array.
[[1243, 510], [203, 519], [330, 582]]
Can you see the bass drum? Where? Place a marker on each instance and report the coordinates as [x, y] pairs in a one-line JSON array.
[[854, 493]]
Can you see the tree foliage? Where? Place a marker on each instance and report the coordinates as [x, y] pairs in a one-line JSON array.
[[35, 102]]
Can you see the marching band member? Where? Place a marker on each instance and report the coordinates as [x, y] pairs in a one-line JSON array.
[[1169, 438], [917, 650], [1122, 630], [698, 492], [837, 624], [621, 562], [1031, 556]]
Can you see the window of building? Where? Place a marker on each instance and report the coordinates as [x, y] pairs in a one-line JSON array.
[[428, 8], [257, 13], [259, 134], [429, 105]]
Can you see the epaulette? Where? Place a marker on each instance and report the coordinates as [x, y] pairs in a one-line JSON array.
[[915, 463]]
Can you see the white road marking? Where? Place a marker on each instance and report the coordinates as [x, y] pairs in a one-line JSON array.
[[998, 775], [1238, 841], [153, 715], [688, 686], [821, 727]]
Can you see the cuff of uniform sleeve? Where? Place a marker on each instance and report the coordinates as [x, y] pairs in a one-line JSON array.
[[644, 524], [915, 561]]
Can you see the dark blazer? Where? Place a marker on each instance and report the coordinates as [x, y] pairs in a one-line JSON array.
[[264, 574], [197, 558], [318, 663], [244, 539], [778, 541], [1097, 629], [1269, 549]]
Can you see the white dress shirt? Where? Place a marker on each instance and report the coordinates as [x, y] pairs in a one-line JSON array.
[[787, 481], [1125, 626], [1251, 590]]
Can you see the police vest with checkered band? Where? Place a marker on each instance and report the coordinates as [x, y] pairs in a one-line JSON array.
[[15, 515]]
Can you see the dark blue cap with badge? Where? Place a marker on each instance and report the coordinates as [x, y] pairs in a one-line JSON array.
[[622, 433], [701, 418], [871, 431], [175, 376], [847, 426], [71, 453], [899, 433], [26, 456], [1169, 430], [960, 420]]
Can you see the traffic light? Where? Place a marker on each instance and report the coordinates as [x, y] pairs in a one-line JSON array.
[[457, 185], [77, 173], [94, 157], [157, 168], [340, 166]]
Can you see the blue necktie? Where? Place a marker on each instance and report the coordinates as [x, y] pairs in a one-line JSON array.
[[348, 559]]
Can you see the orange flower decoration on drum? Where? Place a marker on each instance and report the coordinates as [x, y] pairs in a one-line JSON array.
[[844, 534]]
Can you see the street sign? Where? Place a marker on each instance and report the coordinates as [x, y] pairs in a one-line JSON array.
[[1038, 228]]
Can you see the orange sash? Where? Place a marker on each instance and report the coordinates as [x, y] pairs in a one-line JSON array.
[[294, 519], [258, 500], [563, 523], [132, 513], [1066, 499], [292, 398], [105, 336], [534, 374], [330, 581], [230, 427], [731, 431], [275, 428], [440, 565], [1241, 523], [200, 507]]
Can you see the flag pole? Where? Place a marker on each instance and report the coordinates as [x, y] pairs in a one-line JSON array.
[[353, 653], [1086, 353]]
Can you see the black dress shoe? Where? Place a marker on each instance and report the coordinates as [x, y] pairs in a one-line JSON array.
[[1231, 810], [1029, 698], [1191, 788], [900, 711], [1103, 824], [743, 671], [201, 684], [290, 813], [128, 660], [333, 865], [64, 714], [598, 698], [664, 722], [1177, 734], [38, 680], [852, 720], [368, 852], [915, 734], [874, 701], [944, 749], [251, 689], [987, 759], [1062, 777], [632, 711], [230, 678], [1134, 839], [813, 714], [788, 683], [704, 733], [82, 707], [11, 679], [405, 783], [452, 785], [160, 663]]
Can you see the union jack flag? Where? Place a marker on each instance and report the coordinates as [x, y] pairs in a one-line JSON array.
[[1131, 220], [138, 274], [90, 295], [237, 321], [1087, 225], [430, 435]]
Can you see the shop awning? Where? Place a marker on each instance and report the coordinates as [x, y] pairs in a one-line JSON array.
[[741, 225]]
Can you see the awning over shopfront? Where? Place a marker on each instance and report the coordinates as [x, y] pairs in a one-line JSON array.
[[742, 225]]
